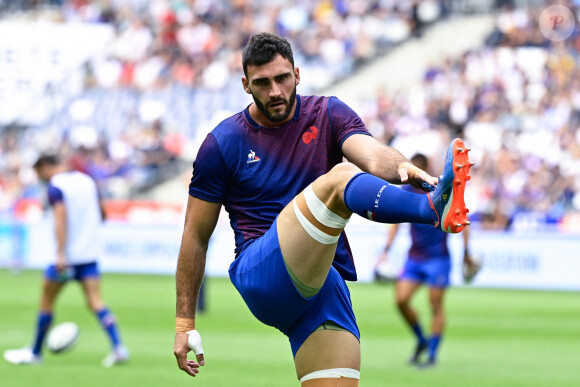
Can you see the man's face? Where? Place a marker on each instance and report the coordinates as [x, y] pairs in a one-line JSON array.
[[273, 88], [43, 173]]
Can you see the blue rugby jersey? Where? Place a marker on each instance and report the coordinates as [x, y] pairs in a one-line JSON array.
[[426, 241], [256, 171]]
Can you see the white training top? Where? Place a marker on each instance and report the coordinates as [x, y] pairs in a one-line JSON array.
[[81, 200]]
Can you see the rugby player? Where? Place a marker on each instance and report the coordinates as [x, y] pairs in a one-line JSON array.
[[277, 168], [78, 214], [429, 263]]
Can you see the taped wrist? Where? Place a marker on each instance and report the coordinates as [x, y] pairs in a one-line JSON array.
[[412, 171], [183, 325]]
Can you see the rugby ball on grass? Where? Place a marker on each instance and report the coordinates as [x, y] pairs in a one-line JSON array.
[[386, 272], [62, 337]]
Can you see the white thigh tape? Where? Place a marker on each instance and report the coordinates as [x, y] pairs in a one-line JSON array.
[[318, 235], [332, 373], [321, 212]]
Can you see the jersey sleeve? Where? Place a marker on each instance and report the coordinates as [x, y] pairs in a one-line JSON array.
[[54, 195], [209, 179], [344, 121]]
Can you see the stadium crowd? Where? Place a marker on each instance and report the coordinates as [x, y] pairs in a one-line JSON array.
[[174, 66], [517, 101]]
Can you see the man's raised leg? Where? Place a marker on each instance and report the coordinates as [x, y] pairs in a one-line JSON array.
[[309, 227]]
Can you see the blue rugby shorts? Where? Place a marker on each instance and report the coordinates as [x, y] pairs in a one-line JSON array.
[[433, 271], [261, 277], [77, 272]]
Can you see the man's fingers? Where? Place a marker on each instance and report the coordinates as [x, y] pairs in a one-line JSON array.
[[180, 350], [418, 178], [428, 178], [188, 366], [192, 368], [189, 369], [192, 364], [403, 175], [429, 183], [200, 360]]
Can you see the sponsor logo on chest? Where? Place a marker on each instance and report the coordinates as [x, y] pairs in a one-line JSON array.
[[252, 158]]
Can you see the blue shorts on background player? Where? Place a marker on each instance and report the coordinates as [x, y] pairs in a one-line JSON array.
[[428, 263]]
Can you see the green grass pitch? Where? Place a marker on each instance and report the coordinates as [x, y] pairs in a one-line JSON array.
[[493, 338]]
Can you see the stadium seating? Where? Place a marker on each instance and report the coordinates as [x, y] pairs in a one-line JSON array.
[[171, 72]]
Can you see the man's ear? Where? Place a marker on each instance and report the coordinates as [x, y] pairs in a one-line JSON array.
[[246, 85], [297, 75]]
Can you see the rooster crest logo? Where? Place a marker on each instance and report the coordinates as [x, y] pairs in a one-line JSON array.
[[310, 135]]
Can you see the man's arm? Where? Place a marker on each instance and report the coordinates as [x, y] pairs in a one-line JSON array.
[[392, 233], [103, 210], [60, 230], [384, 162], [391, 236], [200, 221], [466, 253]]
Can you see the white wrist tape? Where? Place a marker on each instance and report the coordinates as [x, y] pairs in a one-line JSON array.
[[194, 342]]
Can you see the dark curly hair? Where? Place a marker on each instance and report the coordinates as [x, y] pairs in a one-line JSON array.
[[46, 159], [420, 160], [263, 48]]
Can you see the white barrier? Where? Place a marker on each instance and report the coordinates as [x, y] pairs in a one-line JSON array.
[[530, 260], [511, 260], [547, 260]]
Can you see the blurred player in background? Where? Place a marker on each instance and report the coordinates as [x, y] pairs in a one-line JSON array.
[[78, 214], [428, 262], [277, 168]]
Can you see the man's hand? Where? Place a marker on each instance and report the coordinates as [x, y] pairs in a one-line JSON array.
[[181, 347], [471, 266], [416, 177], [469, 261], [61, 263]]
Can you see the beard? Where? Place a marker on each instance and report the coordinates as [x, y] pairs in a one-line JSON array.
[[277, 117]]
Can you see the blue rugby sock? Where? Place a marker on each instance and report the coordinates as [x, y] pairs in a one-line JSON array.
[[418, 331], [42, 324], [380, 201], [433, 345], [107, 320]]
